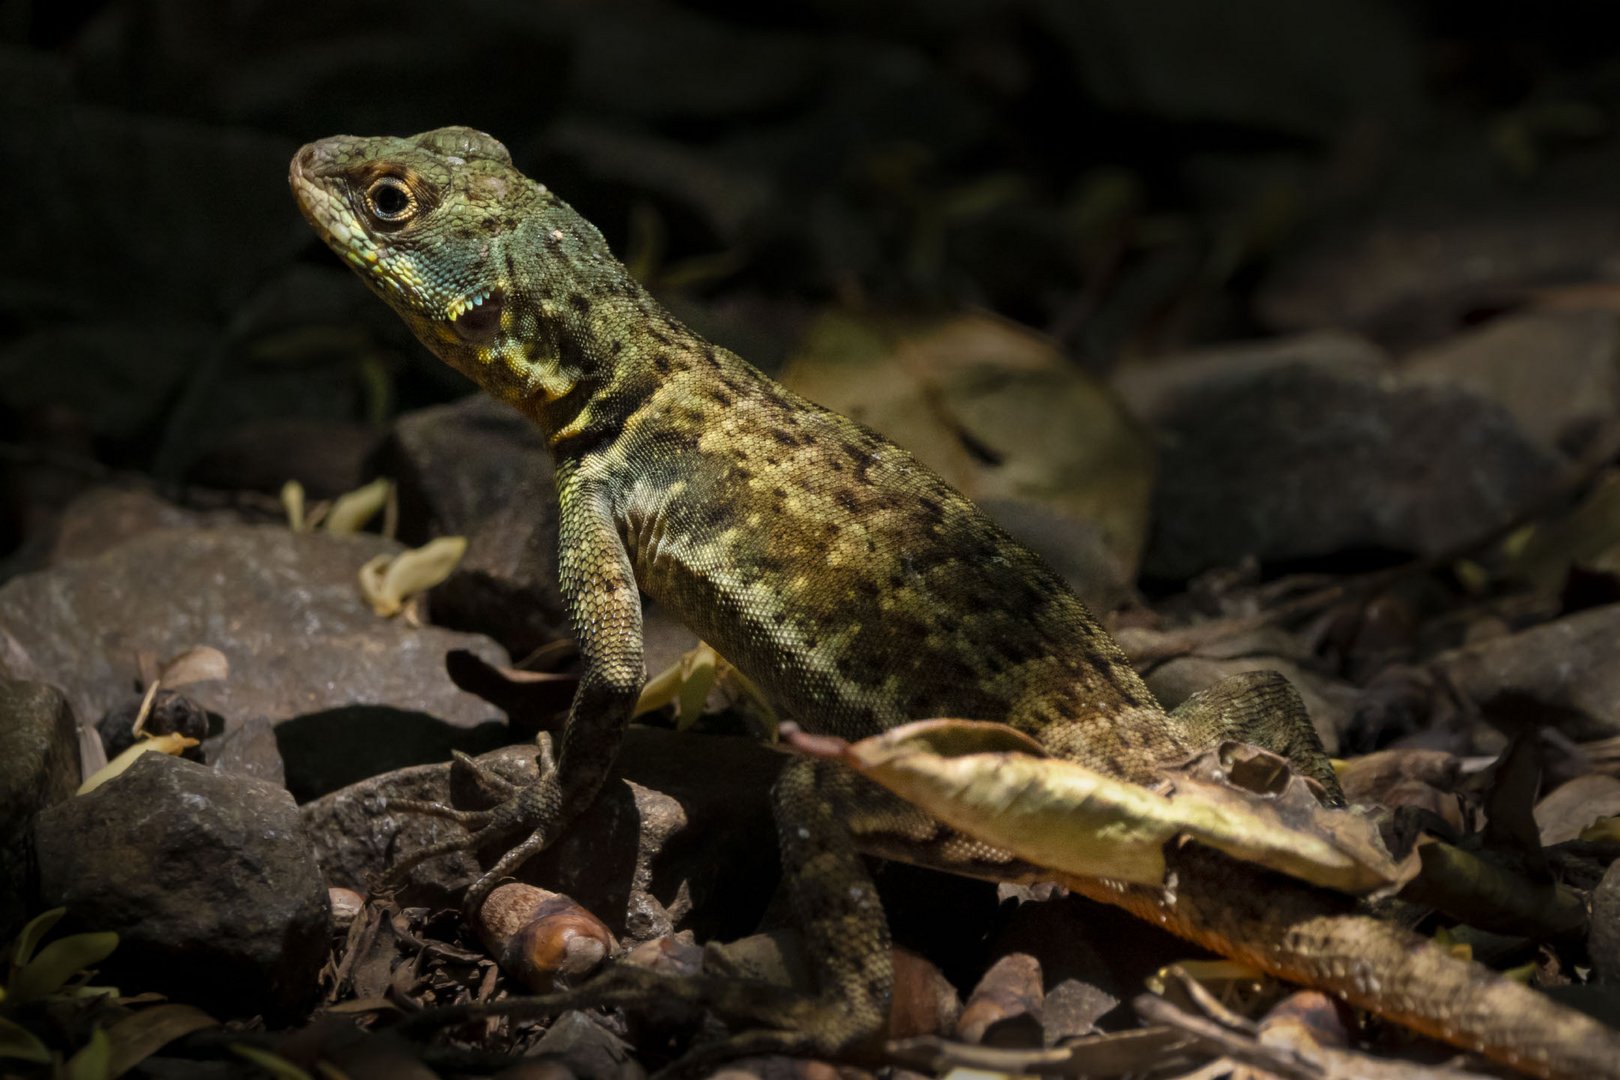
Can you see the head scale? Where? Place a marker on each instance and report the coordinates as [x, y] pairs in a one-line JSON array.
[[464, 247]]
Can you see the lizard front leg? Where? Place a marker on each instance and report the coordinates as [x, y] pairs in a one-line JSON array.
[[605, 609]]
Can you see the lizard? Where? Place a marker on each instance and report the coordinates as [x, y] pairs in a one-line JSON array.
[[852, 586]]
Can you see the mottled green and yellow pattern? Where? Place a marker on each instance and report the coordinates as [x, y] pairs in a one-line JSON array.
[[855, 588]]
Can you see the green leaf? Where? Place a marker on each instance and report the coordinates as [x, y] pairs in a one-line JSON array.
[[57, 963], [29, 937], [93, 1061], [141, 1034], [18, 1042]]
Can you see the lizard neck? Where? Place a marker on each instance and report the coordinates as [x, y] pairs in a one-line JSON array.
[[595, 357], [580, 345]]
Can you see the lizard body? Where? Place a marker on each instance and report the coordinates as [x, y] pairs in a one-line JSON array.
[[855, 588]]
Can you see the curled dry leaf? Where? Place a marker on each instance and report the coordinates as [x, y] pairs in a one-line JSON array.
[[1070, 819], [292, 501], [387, 581], [1008, 993], [351, 510], [688, 681], [539, 936], [200, 663], [165, 744], [1493, 896]]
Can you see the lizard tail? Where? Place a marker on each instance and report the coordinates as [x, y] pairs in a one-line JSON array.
[[1316, 939]]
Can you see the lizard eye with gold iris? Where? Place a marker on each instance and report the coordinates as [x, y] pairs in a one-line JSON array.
[[390, 199]]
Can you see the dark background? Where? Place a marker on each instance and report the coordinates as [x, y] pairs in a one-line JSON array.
[[1132, 178]]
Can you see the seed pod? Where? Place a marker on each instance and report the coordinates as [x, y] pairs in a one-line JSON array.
[[539, 936]]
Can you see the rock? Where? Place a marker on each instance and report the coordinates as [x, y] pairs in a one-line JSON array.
[[1417, 276], [286, 612], [39, 767], [1556, 372], [139, 368], [209, 881], [1257, 68], [1300, 461], [662, 844], [1148, 387], [1561, 674], [249, 748], [479, 469], [1603, 941], [326, 456], [104, 517]]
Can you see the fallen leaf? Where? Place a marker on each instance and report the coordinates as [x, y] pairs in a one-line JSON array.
[[163, 744], [146, 1031], [388, 581], [200, 663], [292, 501], [351, 510], [1062, 816]]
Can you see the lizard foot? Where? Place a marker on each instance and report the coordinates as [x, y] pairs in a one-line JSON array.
[[520, 807]]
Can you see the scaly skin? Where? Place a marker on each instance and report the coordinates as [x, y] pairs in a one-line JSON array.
[[851, 584]]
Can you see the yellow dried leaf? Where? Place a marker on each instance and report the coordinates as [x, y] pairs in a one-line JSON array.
[[387, 582], [1604, 829], [292, 501], [164, 744], [351, 510]]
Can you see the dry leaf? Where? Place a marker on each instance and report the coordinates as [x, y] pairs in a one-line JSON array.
[[994, 409], [163, 744], [200, 663], [292, 501], [351, 510], [1065, 817], [387, 581], [1571, 808]]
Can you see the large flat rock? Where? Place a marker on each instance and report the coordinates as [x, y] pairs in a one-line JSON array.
[[283, 607]]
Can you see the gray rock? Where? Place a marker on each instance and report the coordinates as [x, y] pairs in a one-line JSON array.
[[104, 517], [661, 846], [326, 456], [1556, 372], [39, 767], [1407, 278], [1149, 387], [1301, 461], [208, 879], [479, 469], [1562, 673], [285, 610], [249, 748], [1255, 65]]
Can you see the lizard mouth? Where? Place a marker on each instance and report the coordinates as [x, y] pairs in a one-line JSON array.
[[477, 319]]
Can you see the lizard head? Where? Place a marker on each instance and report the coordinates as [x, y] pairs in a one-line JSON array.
[[472, 254]]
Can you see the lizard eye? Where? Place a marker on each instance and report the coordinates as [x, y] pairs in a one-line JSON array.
[[390, 199]]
